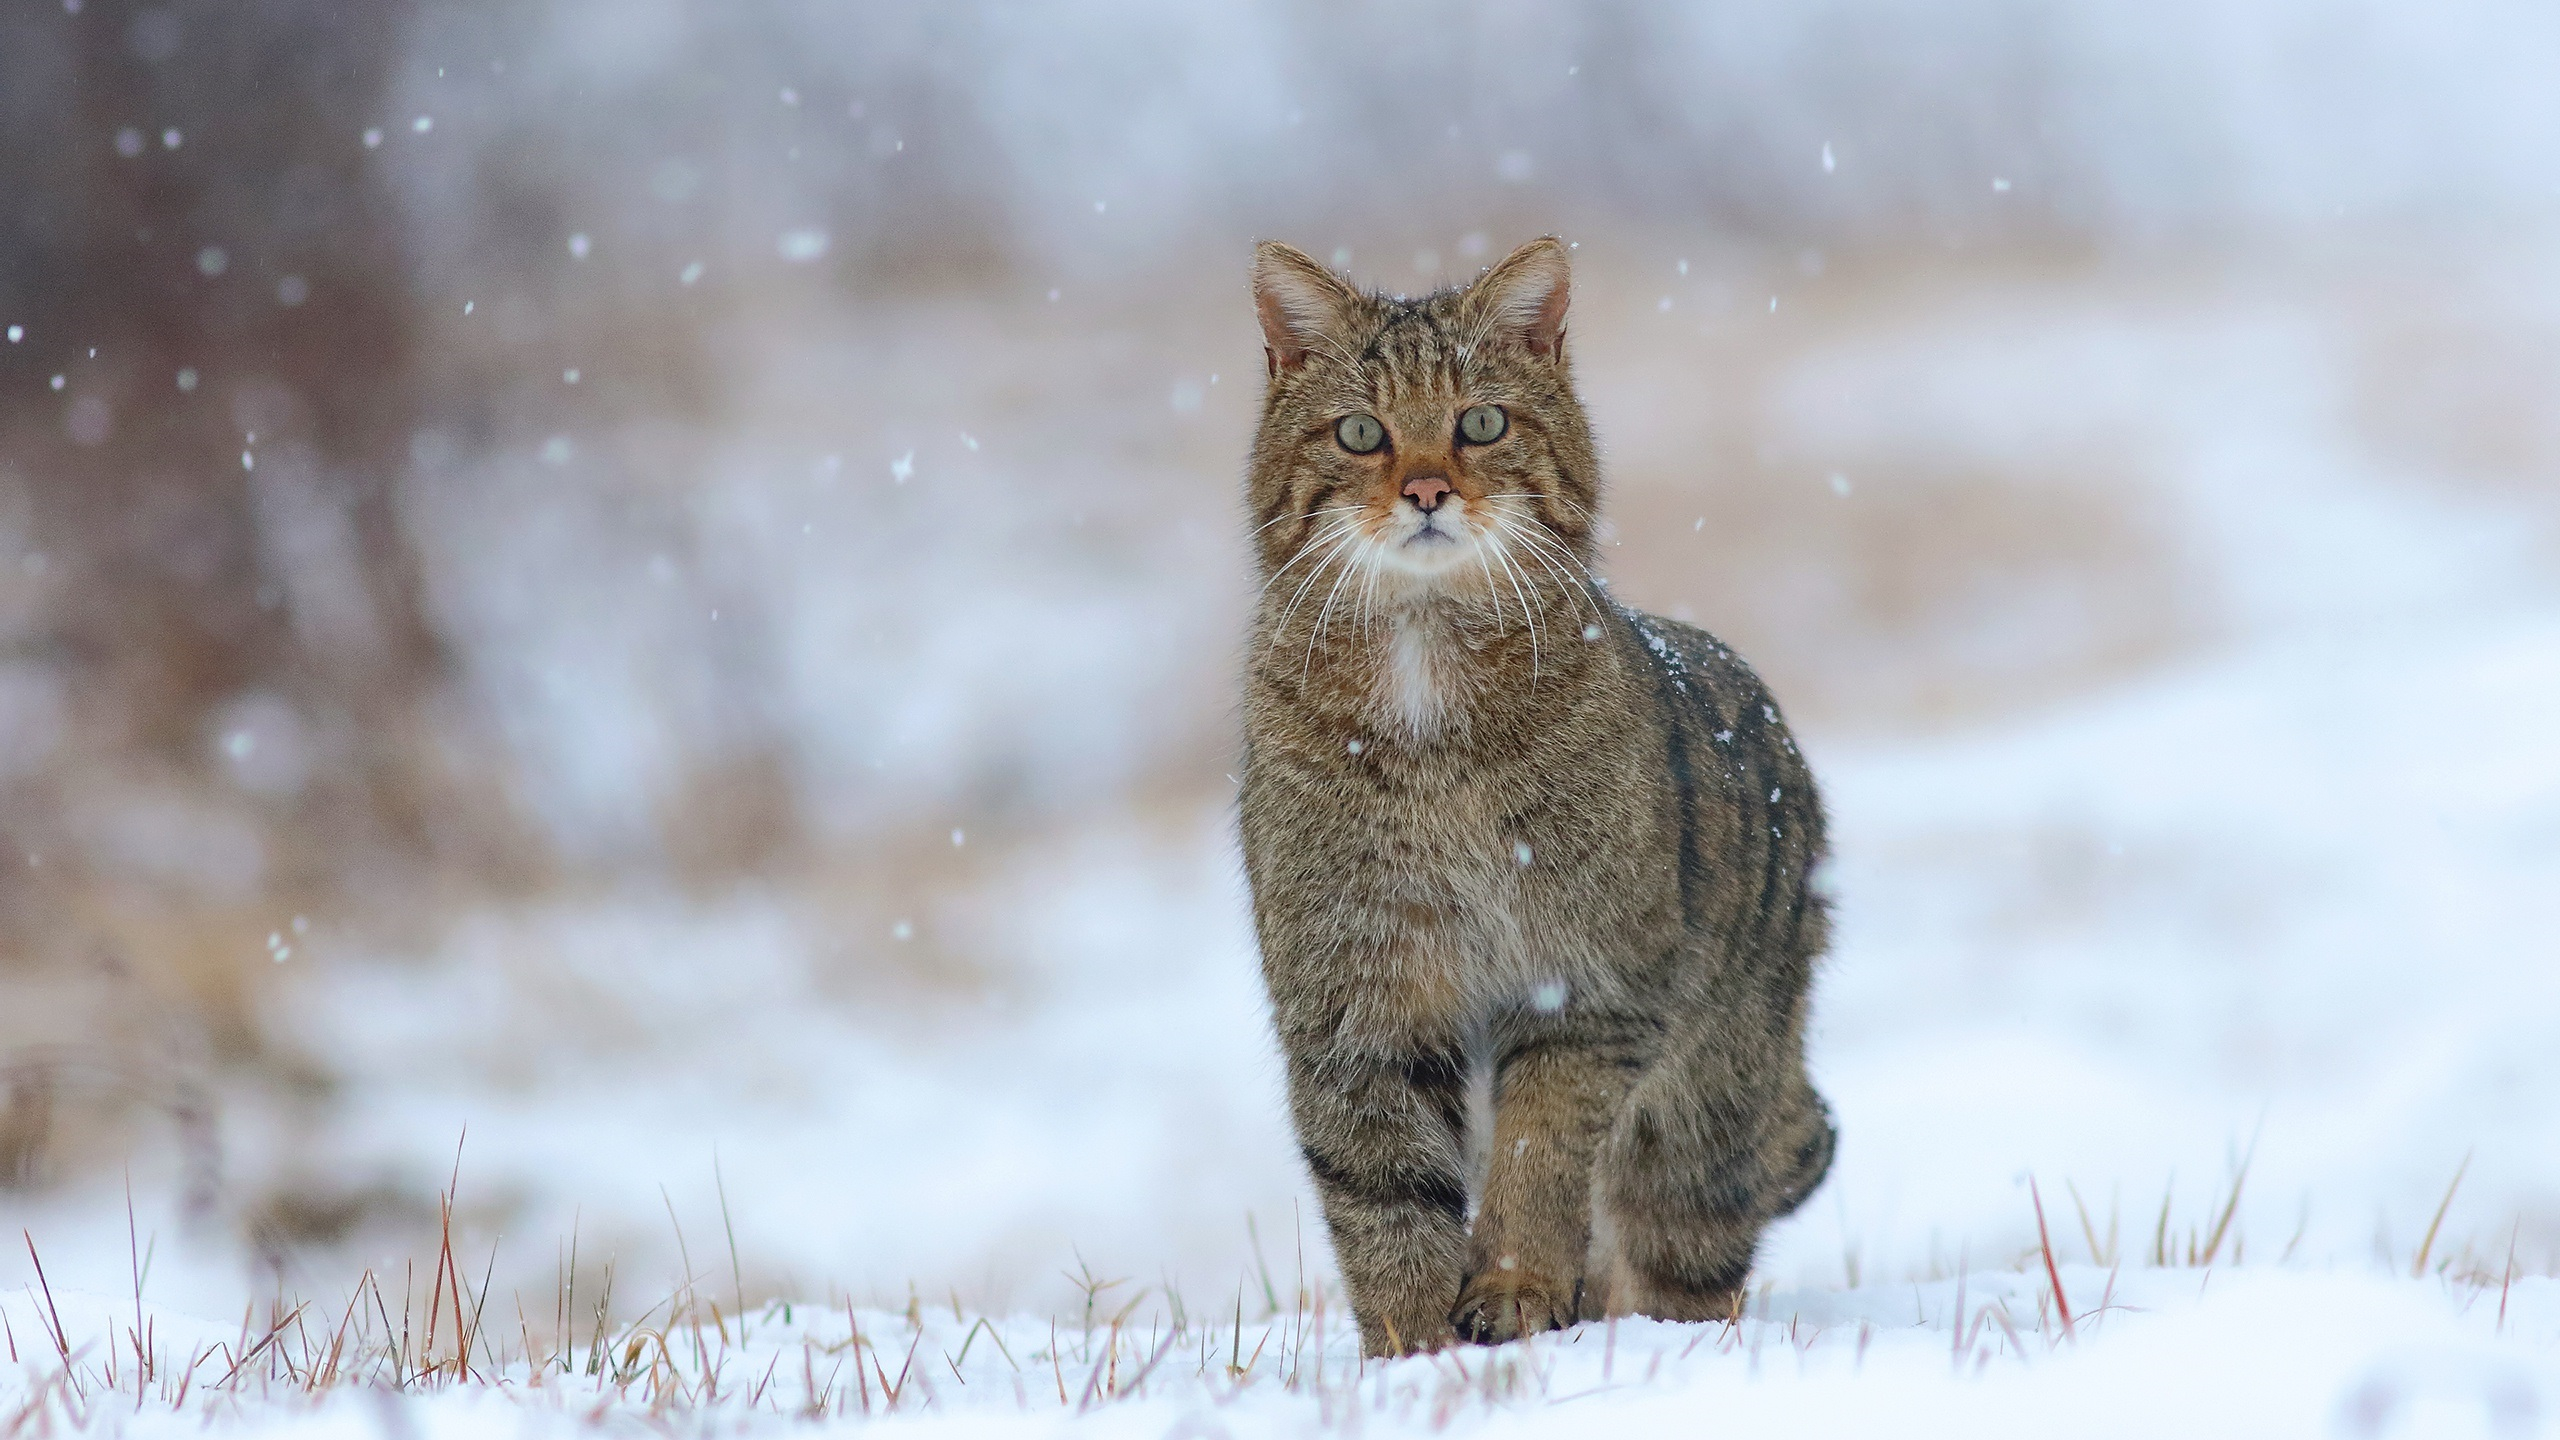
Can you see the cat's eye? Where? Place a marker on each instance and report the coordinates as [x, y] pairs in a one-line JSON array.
[[1360, 433], [1483, 424]]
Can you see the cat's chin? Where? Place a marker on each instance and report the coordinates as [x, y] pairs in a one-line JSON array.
[[1427, 557], [1423, 548]]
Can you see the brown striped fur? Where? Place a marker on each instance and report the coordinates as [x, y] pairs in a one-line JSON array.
[[1499, 826]]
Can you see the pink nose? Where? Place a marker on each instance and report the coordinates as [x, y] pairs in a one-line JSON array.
[[1426, 492]]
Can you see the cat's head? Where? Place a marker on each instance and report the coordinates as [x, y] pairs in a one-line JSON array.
[[1424, 447]]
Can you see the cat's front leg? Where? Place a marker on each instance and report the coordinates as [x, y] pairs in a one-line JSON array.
[[1556, 1090], [1382, 1132]]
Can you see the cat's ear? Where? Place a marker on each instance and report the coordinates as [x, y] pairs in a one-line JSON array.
[[1299, 302], [1523, 298]]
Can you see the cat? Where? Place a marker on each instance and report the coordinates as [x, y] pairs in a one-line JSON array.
[[1497, 825]]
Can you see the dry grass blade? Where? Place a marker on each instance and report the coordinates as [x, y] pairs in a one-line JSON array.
[[2088, 1231], [860, 1375], [52, 1316], [1130, 1387], [737, 1276], [2044, 1239], [264, 1341], [142, 1352], [890, 1390], [1955, 1350], [2230, 1205], [2418, 1267], [2508, 1279], [1261, 1266], [2017, 1346]]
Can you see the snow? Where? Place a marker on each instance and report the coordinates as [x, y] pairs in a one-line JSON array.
[[2258, 1353], [2280, 905], [2230, 944]]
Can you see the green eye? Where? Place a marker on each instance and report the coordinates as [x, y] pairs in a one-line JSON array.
[[1360, 434], [1483, 424]]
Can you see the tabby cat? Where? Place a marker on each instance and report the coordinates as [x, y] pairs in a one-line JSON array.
[[1499, 827]]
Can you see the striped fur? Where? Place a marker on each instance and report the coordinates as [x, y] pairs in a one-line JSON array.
[[1499, 827]]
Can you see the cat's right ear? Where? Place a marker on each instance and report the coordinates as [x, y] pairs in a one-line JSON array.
[[1298, 301]]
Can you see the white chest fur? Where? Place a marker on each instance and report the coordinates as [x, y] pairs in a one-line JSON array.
[[1412, 684]]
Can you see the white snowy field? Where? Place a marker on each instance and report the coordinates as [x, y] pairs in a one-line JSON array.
[[2238, 950], [2245, 1351], [691, 741]]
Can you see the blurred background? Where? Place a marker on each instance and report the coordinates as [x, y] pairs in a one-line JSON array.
[[656, 585]]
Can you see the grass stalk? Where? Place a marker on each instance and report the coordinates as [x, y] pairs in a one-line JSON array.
[[2044, 1239]]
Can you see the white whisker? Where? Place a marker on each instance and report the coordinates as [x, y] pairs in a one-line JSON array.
[[1368, 595], [1335, 549], [1293, 515], [1311, 579], [1323, 621], [1565, 500], [1502, 552], [1331, 535], [1544, 548], [1324, 612], [1545, 543]]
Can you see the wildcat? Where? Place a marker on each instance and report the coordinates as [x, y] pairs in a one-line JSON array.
[[1496, 824]]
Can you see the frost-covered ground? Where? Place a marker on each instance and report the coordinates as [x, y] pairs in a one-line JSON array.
[[2275, 896]]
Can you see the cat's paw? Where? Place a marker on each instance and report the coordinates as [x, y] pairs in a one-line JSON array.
[[1391, 1340], [1500, 1305]]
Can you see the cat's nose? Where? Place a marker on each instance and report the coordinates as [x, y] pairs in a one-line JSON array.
[[1427, 491]]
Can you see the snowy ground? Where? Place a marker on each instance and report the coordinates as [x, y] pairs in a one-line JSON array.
[[2246, 1351], [2241, 955]]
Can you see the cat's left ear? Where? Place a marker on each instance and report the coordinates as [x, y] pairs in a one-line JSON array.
[[1523, 298], [1299, 302]]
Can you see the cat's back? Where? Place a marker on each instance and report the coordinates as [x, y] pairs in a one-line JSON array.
[[1751, 823]]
